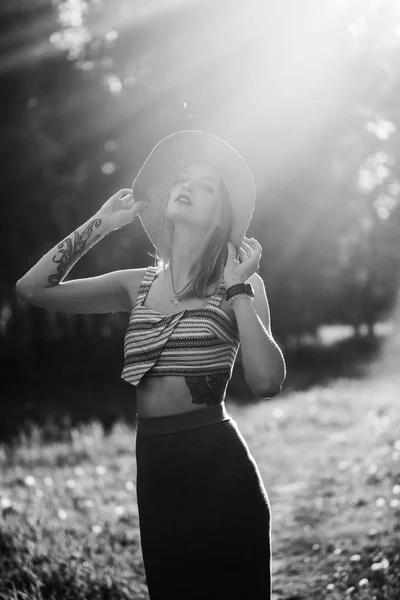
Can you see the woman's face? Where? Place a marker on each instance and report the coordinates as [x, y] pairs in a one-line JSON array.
[[196, 195]]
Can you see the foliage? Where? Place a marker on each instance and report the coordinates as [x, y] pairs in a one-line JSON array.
[[69, 520], [88, 93]]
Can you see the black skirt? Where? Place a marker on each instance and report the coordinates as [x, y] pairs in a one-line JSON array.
[[205, 517]]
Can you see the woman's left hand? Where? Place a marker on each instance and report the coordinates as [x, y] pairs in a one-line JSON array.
[[249, 255]]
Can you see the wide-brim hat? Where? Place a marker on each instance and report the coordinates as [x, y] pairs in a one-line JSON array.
[[171, 155]]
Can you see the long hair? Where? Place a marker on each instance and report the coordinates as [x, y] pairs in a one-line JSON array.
[[209, 265]]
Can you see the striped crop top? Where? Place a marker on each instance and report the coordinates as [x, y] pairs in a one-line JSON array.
[[199, 344]]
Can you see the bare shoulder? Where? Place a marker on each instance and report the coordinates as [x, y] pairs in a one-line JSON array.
[[131, 280]]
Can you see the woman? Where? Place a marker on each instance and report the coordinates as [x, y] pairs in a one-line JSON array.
[[205, 518]]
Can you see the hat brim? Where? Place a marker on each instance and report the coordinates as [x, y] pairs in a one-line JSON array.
[[174, 152]]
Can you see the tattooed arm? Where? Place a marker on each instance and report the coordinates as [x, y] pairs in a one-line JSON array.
[[42, 284]]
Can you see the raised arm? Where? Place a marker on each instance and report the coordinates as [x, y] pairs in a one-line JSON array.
[[42, 284]]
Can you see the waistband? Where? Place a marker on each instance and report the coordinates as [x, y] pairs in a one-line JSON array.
[[181, 421]]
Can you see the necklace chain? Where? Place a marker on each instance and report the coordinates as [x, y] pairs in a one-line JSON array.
[[173, 299]]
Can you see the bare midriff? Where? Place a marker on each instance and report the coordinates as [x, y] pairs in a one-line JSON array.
[[162, 396], [169, 395]]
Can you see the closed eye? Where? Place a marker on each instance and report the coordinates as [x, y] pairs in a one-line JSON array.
[[209, 188]]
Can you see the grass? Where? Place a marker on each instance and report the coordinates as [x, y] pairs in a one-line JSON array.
[[330, 460]]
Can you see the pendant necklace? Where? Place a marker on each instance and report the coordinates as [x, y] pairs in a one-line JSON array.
[[174, 299]]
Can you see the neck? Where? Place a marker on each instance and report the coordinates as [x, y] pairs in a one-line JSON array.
[[186, 246]]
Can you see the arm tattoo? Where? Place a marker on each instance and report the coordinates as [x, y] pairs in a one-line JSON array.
[[70, 250]]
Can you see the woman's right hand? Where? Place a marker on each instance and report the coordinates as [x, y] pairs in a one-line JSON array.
[[120, 209]]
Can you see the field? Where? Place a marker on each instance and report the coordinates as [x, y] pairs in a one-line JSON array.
[[330, 460]]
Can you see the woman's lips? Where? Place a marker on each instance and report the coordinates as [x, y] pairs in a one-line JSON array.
[[185, 197]]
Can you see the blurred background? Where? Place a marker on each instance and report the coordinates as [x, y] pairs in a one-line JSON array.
[[307, 91]]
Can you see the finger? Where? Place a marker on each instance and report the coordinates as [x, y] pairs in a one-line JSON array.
[[256, 246], [127, 197], [123, 192], [255, 243], [248, 248], [246, 244], [231, 252], [248, 240], [128, 201], [242, 255], [139, 206]]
